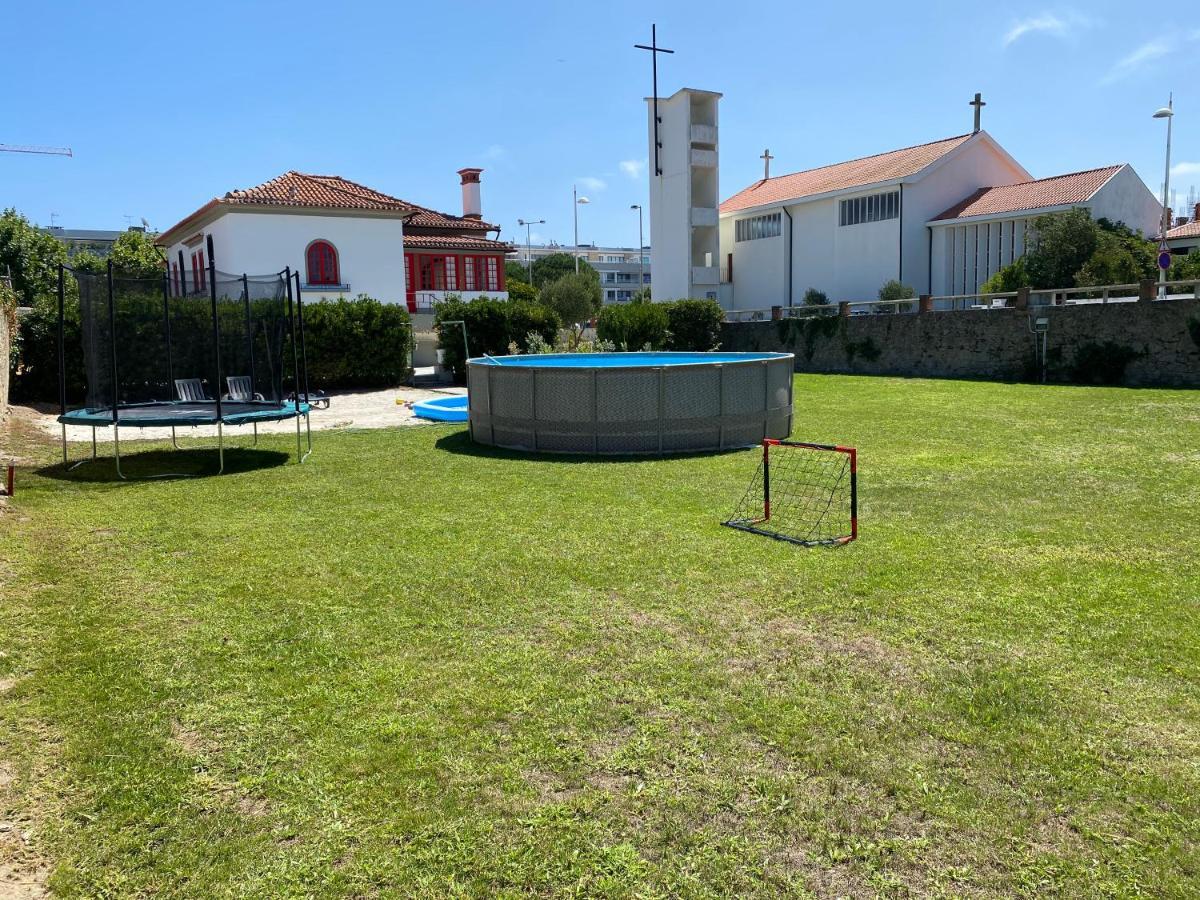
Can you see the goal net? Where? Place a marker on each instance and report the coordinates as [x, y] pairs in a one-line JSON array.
[[803, 493]]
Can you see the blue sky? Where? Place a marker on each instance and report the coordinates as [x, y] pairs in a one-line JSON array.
[[168, 105]]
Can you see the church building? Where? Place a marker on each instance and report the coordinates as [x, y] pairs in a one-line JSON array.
[[941, 217], [344, 239]]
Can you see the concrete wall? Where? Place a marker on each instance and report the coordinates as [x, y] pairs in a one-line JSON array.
[[991, 344], [370, 250]]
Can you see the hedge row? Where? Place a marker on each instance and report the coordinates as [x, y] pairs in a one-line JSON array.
[[685, 325], [348, 343], [491, 326]]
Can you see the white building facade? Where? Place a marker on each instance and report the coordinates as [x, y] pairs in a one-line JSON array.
[[940, 217], [343, 239]]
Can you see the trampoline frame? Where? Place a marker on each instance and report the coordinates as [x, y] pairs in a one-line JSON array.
[[302, 408]]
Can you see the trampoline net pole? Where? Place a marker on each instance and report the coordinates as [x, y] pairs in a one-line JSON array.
[[216, 326], [112, 334]]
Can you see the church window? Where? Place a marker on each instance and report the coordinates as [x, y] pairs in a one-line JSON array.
[[872, 208], [756, 227]]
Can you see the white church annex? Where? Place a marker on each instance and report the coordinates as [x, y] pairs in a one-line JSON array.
[[941, 217]]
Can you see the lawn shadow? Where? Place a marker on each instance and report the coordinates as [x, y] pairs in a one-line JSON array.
[[460, 443], [165, 465]]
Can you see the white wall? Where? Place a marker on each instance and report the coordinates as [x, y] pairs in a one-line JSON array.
[[971, 166], [370, 250], [1125, 198]]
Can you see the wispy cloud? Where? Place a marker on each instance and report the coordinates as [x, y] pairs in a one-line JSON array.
[[1186, 168], [591, 183], [1141, 56], [495, 151], [1062, 25], [633, 167]]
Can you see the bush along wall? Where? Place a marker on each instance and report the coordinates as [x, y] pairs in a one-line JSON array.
[[491, 325], [684, 325], [357, 343]]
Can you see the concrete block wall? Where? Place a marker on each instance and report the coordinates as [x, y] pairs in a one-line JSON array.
[[1161, 340]]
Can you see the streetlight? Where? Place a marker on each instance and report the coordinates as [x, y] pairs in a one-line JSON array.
[[528, 256], [579, 201], [641, 255], [1167, 112]]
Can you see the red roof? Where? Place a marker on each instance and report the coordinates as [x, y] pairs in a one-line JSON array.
[[454, 242], [855, 173], [1060, 190], [1186, 230], [298, 190]]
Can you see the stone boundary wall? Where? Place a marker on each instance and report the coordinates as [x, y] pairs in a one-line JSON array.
[[1143, 344]]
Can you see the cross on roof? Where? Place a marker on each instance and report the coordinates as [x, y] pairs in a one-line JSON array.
[[654, 51], [979, 104], [766, 158]]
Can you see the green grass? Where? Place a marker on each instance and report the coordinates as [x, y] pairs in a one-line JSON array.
[[413, 666]]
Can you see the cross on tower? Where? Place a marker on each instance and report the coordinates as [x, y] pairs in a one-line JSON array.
[[766, 158], [654, 51], [979, 105]]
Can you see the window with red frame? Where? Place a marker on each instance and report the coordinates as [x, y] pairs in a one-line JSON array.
[[199, 273], [481, 273], [322, 262]]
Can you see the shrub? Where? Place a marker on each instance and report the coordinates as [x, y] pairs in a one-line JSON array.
[[491, 325], [813, 297], [575, 298], [634, 326], [694, 324], [895, 290], [356, 343], [1012, 277], [521, 290]]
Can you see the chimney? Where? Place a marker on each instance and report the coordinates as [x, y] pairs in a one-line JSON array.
[[470, 189]]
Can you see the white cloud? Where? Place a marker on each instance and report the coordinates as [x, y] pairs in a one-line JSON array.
[[1146, 53], [633, 167], [495, 151], [591, 183], [1186, 168], [1062, 25]]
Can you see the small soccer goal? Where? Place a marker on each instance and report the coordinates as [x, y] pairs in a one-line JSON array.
[[803, 493]]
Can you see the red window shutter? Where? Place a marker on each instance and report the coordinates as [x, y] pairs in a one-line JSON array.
[[500, 270]]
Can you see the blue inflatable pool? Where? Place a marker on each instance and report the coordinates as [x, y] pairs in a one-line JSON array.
[[442, 409]]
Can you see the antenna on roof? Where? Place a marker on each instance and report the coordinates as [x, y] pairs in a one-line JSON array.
[[979, 104]]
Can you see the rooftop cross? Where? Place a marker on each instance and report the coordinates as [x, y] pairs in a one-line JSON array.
[[979, 104], [766, 158], [654, 51]]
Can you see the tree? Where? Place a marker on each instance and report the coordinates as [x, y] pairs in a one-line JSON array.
[[33, 257], [1059, 245], [135, 255], [1012, 277], [813, 297], [1184, 268], [553, 267], [515, 271], [519, 290], [575, 298], [894, 290]]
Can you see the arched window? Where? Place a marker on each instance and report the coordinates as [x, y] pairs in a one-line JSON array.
[[322, 263]]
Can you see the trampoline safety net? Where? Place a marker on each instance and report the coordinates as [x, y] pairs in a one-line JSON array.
[[146, 336]]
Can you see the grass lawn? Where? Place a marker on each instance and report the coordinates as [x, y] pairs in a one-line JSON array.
[[414, 666]]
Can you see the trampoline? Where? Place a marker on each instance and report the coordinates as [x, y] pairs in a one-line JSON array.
[[193, 347]]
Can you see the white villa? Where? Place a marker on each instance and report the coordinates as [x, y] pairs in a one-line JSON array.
[[344, 239], [941, 217]]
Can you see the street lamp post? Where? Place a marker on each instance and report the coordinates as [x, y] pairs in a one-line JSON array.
[[528, 254], [1167, 112], [641, 242], [579, 201]]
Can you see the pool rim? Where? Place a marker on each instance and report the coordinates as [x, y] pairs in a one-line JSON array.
[[702, 358]]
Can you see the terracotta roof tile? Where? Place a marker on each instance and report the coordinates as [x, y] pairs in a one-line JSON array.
[[455, 242], [854, 173], [1187, 229], [1060, 190]]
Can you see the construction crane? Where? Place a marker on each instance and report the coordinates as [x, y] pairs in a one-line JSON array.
[[49, 151]]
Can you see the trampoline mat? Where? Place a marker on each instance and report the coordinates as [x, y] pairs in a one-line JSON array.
[[160, 415]]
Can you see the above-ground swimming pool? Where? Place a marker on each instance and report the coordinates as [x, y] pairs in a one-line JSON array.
[[630, 402]]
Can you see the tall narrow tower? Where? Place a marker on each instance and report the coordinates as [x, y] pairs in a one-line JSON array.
[[684, 241]]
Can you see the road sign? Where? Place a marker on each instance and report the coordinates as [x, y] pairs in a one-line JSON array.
[[1164, 259]]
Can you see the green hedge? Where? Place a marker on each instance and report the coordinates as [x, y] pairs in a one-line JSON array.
[[357, 343], [634, 326], [349, 343], [491, 326], [685, 325]]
